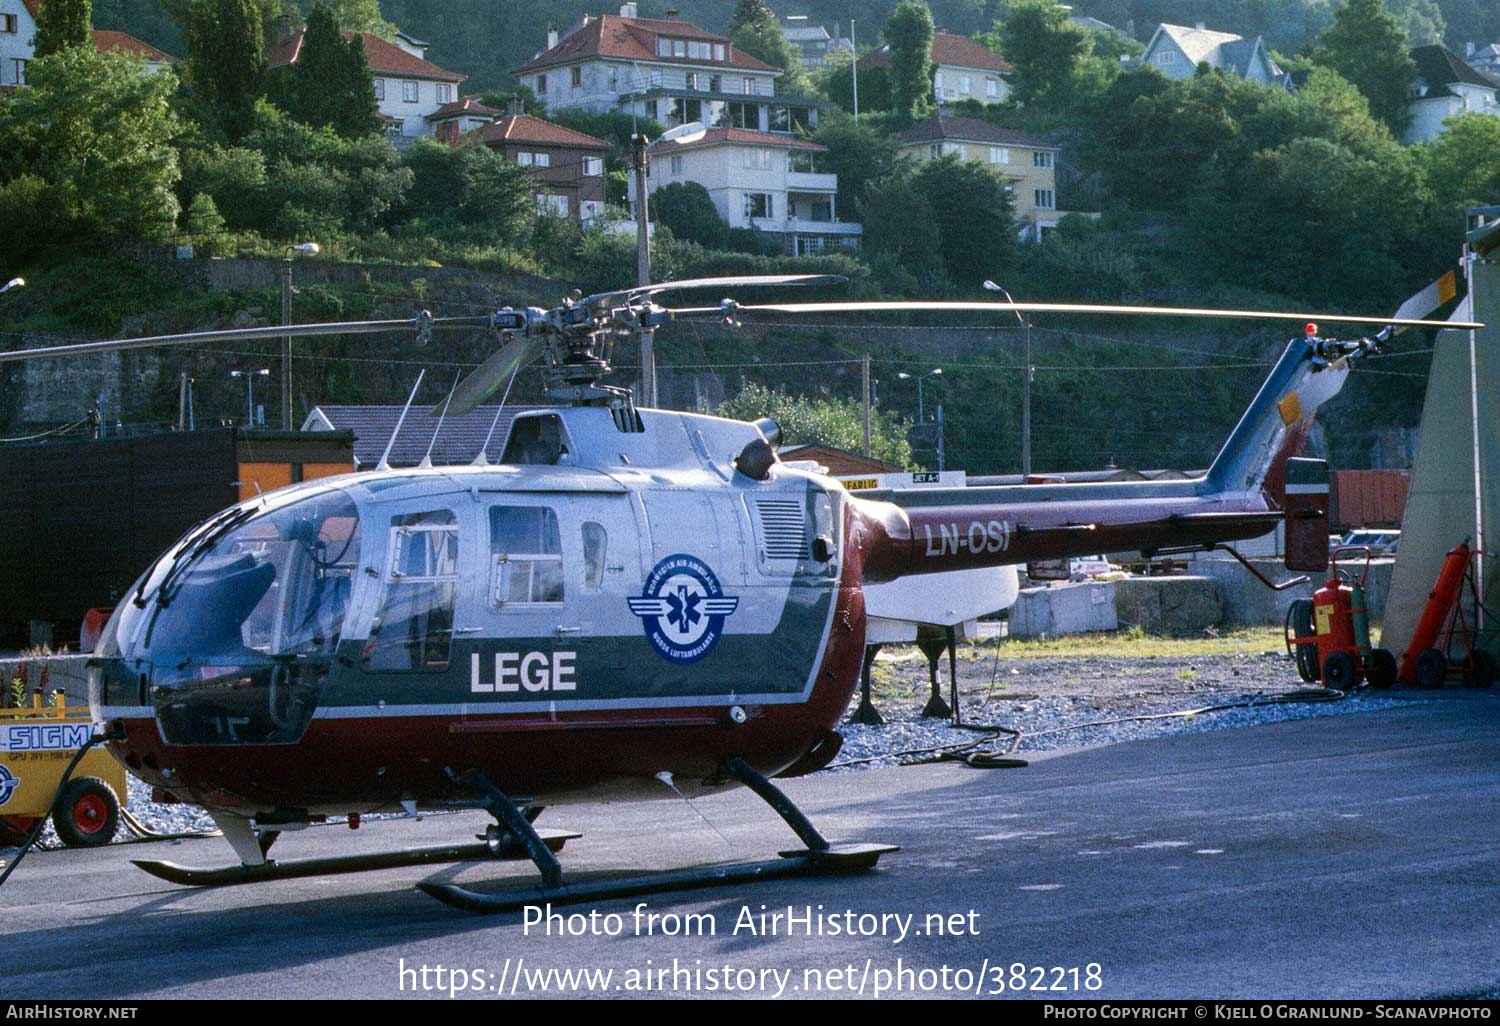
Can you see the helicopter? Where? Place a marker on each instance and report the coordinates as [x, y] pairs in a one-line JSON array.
[[630, 598]]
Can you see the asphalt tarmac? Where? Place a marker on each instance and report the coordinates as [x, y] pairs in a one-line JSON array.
[[1351, 856]]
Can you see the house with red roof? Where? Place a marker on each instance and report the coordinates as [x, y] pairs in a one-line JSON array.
[[962, 69], [409, 89], [17, 43], [763, 180], [665, 69], [567, 166]]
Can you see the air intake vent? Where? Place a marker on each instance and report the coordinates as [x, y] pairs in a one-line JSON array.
[[782, 524]]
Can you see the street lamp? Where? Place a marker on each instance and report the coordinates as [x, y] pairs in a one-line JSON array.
[[682, 134], [919, 378], [310, 249], [1025, 387], [14, 283], [921, 411], [250, 376]]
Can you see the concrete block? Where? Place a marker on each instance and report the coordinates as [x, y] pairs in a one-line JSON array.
[[1064, 609], [1168, 605]]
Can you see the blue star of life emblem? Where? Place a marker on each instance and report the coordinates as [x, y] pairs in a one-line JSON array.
[[8, 784], [682, 609]]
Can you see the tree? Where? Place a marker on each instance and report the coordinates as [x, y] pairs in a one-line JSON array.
[[96, 134], [858, 154], [753, 29], [467, 193], [909, 32], [361, 16], [1366, 46], [331, 84], [61, 24], [1045, 47], [1460, 163], [975, 218], [822, 420], [226, 63], [687, 209]]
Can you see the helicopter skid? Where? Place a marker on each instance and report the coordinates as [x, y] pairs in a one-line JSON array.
[[833, 861], [190, 876]]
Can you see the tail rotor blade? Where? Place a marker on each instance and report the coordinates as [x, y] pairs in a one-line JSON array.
[[490, 375]]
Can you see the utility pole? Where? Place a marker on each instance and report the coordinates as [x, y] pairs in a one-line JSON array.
[[643, 267], [1026, 380], [864, 364], [183, 383], [854, 68], [941, 467], [310, 248]]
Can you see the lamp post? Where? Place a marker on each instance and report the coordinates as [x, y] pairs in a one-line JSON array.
[[311, 249], [682, 134], [250, 376], [921, 410], [14, 283], [1025, 386]]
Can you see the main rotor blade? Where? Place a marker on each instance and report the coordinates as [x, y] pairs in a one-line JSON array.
[[743, 282], [417, 324], [886, 306], [495, 371]]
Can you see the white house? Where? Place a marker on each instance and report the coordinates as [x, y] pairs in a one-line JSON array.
[[773, 183], [17, 43], [1485, 59], [1445, 87], [17, 28], [1176, 51], [408, 88], [962, 69], [661, 68]]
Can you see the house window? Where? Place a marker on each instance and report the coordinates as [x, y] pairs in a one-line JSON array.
[[748, 85], [544, 160], [409, 92], [8, 23], [953, 149], [937, 84], [590, 210], [445, 92], [758, 204], [700, 51], [593, 167], [380, 89], [692, 80], [677, 165], [541, 85], [1166, 57], [935, 150], [758, 160], [715, 83], [1041, 158], [742, 115], [991, 87], [546, 204], [663, 47], [685, 110], [679, 48], [20, 70], [577, 75], [999, 155], [803, 163], [781, 119], [965, 85], [719, 54], [1044, 199], [524, 158], [526, 549]]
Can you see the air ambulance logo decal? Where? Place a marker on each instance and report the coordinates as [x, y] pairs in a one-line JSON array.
[[682, 609], [8, 784]]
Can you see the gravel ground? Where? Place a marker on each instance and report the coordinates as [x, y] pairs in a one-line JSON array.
[[1049, 700]]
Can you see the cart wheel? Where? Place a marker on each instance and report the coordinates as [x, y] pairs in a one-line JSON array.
[[1299, 624], [1481, 671], [88, 814], [1382, 669], [1432, 668], [14, 829], [1339, 672]]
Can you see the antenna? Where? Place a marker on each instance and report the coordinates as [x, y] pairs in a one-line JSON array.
[[427, 460], [385, 458], [483, 459]]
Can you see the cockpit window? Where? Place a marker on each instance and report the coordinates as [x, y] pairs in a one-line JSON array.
[[537, 440], [277, 584], [414, 627], [526, 555]]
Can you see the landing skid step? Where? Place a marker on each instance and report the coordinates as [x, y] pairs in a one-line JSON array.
[[190, 876], [833, 861]]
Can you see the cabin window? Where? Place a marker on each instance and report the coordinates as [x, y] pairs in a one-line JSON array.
[[414, 629], [595, 547], [526, 555]]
